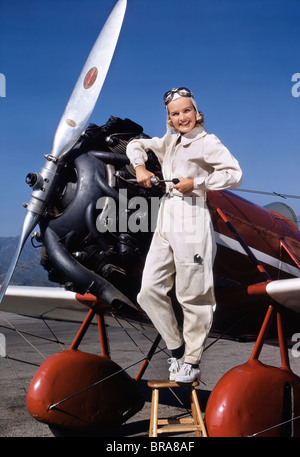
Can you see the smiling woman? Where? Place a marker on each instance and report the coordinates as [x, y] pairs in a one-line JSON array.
[[185, 105], [182, 117], [178, 254], [182, 114]]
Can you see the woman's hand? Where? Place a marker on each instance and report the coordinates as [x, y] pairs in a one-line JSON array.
[[143, 176], [185, 185]]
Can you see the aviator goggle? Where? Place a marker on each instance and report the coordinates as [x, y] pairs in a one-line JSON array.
[[182, 91]]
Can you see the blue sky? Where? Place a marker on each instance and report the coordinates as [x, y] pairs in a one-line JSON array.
[[238, 57]]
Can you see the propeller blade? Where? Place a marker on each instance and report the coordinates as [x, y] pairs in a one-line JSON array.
[[89, 84], [79, 107], [29, 223], [72, 124]]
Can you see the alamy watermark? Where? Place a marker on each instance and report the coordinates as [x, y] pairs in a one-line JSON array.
[[296, 347], [296, 86], [2, 85], [2, 345], [139, 214]]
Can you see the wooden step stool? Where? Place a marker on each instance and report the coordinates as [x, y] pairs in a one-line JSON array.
[[184, 424]]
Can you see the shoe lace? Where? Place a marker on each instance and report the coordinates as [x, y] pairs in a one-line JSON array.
[[186, 368], [174, 364]]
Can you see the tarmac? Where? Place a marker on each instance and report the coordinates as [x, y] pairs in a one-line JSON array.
[[26, 351]]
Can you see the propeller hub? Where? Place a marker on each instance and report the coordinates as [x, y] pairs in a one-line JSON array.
[[35, 180]]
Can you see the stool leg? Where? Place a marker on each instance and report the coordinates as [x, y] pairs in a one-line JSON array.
[[194, 412], [197, 411], [154, 413]]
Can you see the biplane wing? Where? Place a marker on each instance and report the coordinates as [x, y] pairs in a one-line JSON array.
[[43, 302], [286, 292], [53, 303]]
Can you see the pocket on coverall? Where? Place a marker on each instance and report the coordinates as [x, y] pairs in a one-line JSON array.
[[189, 281]]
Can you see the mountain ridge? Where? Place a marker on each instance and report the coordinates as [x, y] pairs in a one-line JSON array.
[[28, 271]]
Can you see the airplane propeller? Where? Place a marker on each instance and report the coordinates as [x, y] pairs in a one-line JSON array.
[[71, 125]]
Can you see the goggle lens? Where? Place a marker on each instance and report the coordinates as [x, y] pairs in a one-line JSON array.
[[182, 91]]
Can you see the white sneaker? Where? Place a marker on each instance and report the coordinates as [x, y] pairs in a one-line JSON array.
[[175, 365], [187, 373]]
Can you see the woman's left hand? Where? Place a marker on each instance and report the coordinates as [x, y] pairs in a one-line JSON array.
[[185, 185]]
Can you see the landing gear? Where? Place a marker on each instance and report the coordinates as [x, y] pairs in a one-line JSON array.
[[255, 399], [76, 390]]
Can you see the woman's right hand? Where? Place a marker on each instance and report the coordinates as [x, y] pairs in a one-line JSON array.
[[143, 176]]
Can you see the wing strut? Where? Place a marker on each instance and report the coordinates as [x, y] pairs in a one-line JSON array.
[[284, 292], [244, 245], [286, 248]]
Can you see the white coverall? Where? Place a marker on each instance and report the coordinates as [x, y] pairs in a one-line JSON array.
[[183, 245]]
